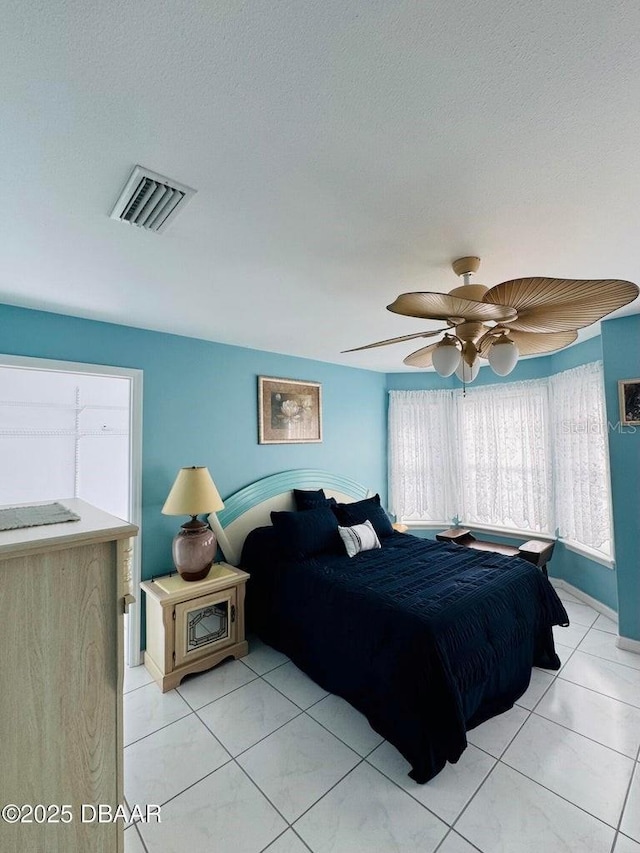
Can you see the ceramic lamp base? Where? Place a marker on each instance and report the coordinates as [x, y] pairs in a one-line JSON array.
[[194, 550]]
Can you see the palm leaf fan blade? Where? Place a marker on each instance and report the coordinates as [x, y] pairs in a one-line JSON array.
[[560, 305], [536, 343], [443, 306], [421, 357], [398, 340]]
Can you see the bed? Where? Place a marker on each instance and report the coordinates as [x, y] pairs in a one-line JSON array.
[[427, 639]]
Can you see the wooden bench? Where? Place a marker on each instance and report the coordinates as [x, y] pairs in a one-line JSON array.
[[534, 551]]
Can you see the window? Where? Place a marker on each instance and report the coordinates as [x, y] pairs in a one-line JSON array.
[[580, 459], [505, 458], [526, 456], [422, 462]]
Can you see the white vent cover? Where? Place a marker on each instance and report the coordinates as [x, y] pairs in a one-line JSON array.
[[150, 200]]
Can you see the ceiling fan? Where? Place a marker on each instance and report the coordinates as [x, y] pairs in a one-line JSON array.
[[524, 316]]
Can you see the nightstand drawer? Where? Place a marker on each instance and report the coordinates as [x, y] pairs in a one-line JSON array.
[[204, 625]]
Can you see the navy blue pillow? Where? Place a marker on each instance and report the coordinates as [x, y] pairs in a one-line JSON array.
[[261, 548], [304, 534], [368, 509], [309, 499]]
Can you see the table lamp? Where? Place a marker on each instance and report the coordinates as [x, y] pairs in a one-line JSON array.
[[194, 546]]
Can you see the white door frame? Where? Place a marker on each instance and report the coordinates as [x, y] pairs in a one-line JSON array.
[[133, 654]]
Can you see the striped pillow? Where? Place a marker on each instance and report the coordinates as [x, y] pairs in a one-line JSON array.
[[360, 537]]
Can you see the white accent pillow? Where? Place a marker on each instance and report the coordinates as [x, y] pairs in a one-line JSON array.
[[360, 537]]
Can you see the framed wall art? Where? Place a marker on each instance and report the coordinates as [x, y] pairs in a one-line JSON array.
[[289, 411], [629, 395]]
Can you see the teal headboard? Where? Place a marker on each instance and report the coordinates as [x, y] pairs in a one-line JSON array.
[[252, 505]]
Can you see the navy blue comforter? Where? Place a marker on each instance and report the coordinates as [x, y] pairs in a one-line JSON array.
[[427, 639]]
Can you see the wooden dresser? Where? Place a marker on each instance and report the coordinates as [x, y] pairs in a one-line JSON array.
[[62, 594]]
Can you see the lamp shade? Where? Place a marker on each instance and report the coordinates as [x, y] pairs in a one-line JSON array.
[[503, 356], [194, 546], [445, 357], [467, 373], [193, 493]]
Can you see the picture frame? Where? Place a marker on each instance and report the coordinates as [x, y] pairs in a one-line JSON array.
[[629, 396], [289, 411]]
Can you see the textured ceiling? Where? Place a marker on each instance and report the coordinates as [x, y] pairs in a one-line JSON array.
[[344, 151]]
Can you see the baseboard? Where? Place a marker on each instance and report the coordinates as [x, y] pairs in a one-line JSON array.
[[628, 644], [592, 602], [621, 642]]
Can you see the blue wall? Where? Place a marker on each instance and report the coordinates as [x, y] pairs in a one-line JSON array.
[[533, 368], [200, 408], [621, 357], [530, 368], [583, 353]]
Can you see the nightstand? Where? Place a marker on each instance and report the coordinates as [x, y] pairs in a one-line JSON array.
[[193, 625]]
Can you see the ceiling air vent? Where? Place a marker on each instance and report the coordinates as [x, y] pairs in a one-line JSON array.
[[150, 200]]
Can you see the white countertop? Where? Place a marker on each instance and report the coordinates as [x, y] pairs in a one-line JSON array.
[[94, 525]]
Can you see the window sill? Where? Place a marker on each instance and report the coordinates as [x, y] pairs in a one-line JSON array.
[[506, 532], [523, 535], [510, 533], [425, 525], [589, 553]]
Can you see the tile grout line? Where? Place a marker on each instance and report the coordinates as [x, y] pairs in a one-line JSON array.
[[195, 711], [515, 735], [159, 729], [202, 778], [475, 794], [233, 758], [599, 692], [536, 782], [139, 834], [451, 830], [560, 796], [626, 798], [608, 660], [328, 791], [530, 712], [289, 828], [282, 693], [264, 737], [587, 737], [290, 824], [419, 802], [303, 710], [363, 759], [268, 799], [139, 687], [498, 761], [191, 785], [222, 696]]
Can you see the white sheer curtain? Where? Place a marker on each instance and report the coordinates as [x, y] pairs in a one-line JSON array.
[[505, 457], [422, 460], [527, 456], [582, 486]]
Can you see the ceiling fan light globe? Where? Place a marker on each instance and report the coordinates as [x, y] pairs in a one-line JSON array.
[[467, 373], [445, 358], [503, 356]]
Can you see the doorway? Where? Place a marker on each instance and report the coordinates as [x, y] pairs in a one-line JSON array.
[[75, 430]]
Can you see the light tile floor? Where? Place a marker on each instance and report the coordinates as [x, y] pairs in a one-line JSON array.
[[253, 756]]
